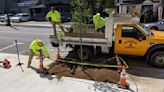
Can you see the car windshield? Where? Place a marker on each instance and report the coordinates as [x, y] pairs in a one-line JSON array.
[[145, 30]]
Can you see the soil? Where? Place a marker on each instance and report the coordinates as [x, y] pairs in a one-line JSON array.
[[89, 73], [87, 35]]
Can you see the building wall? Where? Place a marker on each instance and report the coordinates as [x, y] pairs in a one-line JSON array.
[[123, 7], [8, 4], [140, 8], [2, 6], [63, 6]]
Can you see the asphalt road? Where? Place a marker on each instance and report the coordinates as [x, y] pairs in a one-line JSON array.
[[24, 35]]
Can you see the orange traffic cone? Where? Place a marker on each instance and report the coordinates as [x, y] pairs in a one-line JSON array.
[[123, 78], [6, 64], [41, 68], [118, 63], [57, 55]]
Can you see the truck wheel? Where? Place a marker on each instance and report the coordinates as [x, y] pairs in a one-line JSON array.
[[157, 59], [86, 53]]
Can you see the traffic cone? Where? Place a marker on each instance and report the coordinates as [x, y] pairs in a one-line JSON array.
[[118, 63], [57, 55], [6, 64], [41, 68], [123, 78]]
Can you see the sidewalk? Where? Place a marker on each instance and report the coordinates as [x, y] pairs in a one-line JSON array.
[[36, 24], [117, 20], [14, 80]]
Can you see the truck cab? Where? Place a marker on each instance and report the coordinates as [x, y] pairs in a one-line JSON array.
[[132, 39]]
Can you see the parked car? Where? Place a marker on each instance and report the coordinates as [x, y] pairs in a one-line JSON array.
[[20, 17], [159, 25], [3, 18]]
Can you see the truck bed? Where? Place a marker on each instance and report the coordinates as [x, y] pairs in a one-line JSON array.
[[90, 37], [73, 39], [86, 35]]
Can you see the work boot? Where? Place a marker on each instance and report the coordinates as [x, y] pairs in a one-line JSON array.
[[28, 66]]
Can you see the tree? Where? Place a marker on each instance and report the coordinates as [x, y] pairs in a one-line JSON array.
[[80, 14], [86, 9]]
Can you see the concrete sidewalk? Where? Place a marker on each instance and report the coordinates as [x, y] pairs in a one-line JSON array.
[[36, 24], [45, 24], [14, 80]]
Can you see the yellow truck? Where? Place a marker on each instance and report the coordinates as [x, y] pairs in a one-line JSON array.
[[124, 39]]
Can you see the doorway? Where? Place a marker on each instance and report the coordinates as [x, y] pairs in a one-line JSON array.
[[147, 14]]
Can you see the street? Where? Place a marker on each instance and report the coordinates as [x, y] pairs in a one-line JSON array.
[[103, 46], [24, 35], [142, 73]]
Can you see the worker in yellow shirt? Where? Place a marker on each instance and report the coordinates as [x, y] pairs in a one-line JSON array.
[[99, 23], [38, 47], [54, 17]]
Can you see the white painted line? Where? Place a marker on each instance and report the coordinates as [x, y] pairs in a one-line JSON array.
[[7, 47], [21, 52]]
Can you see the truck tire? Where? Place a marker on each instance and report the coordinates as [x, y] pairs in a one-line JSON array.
[[87, 54], [157, 59]]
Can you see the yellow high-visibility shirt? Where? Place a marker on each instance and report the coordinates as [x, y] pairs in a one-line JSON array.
[[55, 16], [98, 21], [36, 48]]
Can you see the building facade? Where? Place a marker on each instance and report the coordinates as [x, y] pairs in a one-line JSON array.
[[16, 6], [2, 6], [37, 8], [142, 8], [40, 10]]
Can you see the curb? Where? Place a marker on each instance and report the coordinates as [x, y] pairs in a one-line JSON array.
[[27, 25], [18, 25]]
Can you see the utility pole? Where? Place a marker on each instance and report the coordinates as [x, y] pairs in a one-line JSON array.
[[7, 12]]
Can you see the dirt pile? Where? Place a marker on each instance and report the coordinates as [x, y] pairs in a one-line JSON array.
[[96, 74]]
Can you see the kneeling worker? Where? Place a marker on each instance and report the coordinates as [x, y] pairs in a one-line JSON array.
[[38, 47], [99, 23]]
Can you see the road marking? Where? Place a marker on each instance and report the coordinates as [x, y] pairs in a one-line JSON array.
[[7, 47], [28, 33], [21, 52]]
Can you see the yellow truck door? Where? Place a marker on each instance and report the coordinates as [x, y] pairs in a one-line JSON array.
[[127, 41]]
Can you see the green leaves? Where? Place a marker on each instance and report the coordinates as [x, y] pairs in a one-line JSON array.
[[83, 10], [80, 15]]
